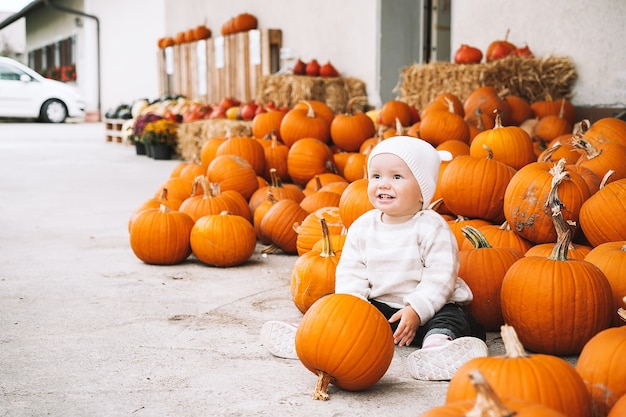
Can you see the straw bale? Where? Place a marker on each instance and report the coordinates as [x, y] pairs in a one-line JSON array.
[[531, 78], [192, 135], [288, 89]]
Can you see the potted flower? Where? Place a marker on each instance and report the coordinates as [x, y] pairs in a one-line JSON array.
[[162, 136], [135, 136]]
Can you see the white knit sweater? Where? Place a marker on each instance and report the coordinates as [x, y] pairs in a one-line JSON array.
[[413, 263]]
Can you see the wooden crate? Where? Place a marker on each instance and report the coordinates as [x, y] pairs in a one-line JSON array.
[[224, 66], [113, 130]]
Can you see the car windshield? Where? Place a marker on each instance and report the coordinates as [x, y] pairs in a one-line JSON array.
[[11, 73]]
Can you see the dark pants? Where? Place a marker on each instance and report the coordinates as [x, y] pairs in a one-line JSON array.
[[452, 320]]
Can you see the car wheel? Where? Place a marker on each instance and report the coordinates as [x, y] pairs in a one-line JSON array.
[[53, 111]]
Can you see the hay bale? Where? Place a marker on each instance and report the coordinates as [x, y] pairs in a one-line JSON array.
[[288, 89], [193, 135], [530, 78]]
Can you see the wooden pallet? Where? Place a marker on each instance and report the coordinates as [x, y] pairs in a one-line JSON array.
[[113, 130], [224, 66]]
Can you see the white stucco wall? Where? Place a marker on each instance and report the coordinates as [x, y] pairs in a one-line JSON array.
[[591, 33], [344, 32]]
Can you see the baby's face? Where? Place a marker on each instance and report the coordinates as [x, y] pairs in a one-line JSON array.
[[393, 189]]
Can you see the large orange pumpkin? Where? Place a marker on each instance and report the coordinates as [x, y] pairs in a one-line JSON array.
[[354, 201], [556, 304], [348, 131], [214, 201], [488, 404], [508, 144], [308, 157], [619, 408], [525, 199], [223, 239], [160, 236], [545, 379], [233, 173], [603, 215], [346, 341], [439, 126], [475, 186], [602, 366], [278, 225], [300, 123], [483, 268], [610, 257], [313, 273], [310, 231], [249, 149]]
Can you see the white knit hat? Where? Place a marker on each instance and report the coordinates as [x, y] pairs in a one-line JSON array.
[[421, 157]]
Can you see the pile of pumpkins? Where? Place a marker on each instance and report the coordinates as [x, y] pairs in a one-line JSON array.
[[535, 198]]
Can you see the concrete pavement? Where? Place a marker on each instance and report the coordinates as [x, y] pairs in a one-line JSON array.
[[86, 329]]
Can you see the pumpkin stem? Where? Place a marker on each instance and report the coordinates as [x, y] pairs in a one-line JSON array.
[[487, 401], [311, 112], [323, 380], [564, 234], [204, 183], [272, 248], [621, 311], [327, 248], [489, 151], [590, 150], [478, 240], [275, 180], [545, 157], [479, 119], [163, 196], [512, 345], [349, 105], [605, 179], [498, 121], [505, 226]]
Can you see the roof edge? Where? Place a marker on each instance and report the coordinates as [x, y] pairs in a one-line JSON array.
[[28, 9]]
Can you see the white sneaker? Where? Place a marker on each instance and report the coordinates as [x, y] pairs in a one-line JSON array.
[[440, 363], [280, 339]]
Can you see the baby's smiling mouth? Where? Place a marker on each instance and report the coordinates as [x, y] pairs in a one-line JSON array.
[[385, 196]]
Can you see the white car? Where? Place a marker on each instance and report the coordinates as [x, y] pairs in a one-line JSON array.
[[26, 94]]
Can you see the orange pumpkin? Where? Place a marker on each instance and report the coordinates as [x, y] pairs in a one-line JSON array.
[[607, 129], [346, 341], [488, 403], [320, 199], [267, 123], [556, 304], [280, 191], [442, 102], [464, 195], [247, 148], [602, 366], [202, 32], [313, 273], [610, 258], [439, 126], [508, 144], [214, 201], [348, 131], [223, 239], [619, 408], [545, 379], [611, 225], [525, 199], [548, 106], [276, 158], [354, 201], [456, 225], [520, 109], [308, 157], [278, 226], [233, 173], [395, 111], [483, 268], [309, 230], [160, 236], [300, 123], [500, 236], [486, 101]]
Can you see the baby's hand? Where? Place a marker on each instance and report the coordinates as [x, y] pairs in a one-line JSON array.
[[409, 323]]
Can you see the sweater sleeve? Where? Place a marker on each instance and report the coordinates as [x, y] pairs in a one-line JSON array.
[[439, 252], [351, 272]]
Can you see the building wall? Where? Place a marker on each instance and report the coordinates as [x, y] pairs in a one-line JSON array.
[[345, 32], [590, 33]]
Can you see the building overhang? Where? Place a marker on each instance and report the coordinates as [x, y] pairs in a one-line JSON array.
[[28, 9]]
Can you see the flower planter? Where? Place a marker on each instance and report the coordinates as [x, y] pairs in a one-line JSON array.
[[162, 151], [140, 148]]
